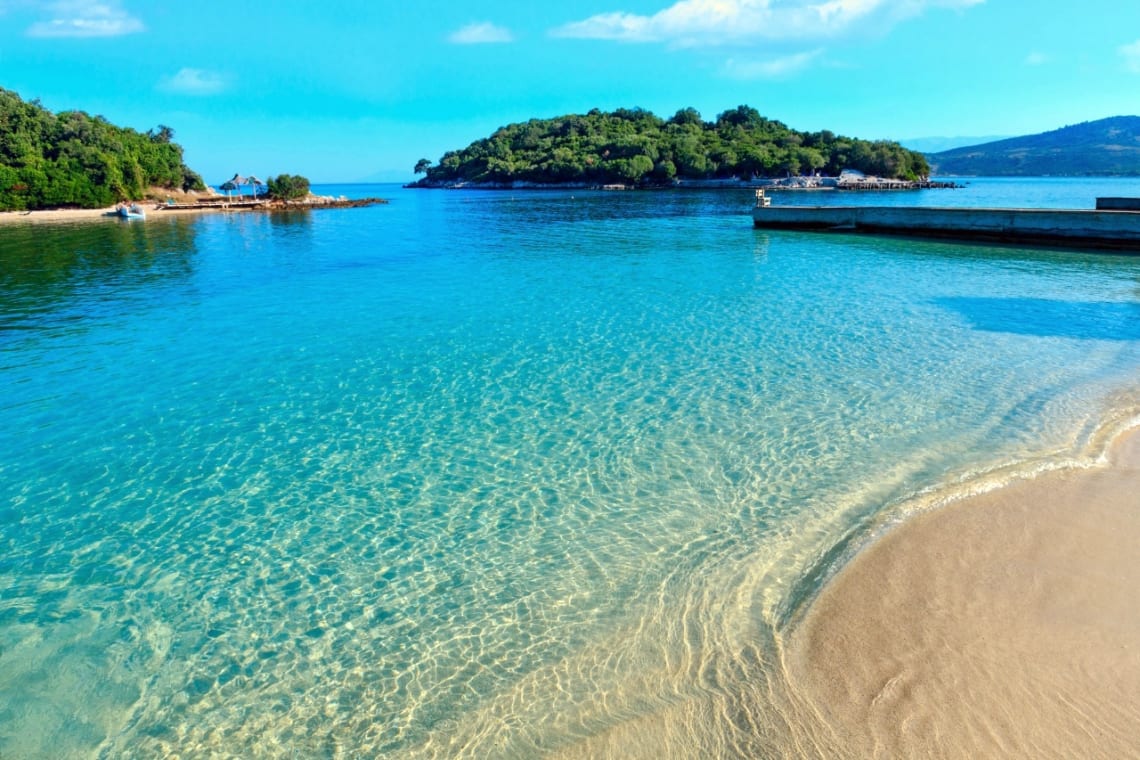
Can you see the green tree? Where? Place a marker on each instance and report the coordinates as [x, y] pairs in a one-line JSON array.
[[288, 187], [687, 116], [191, 180], [665, 171], [73, 159], [162, 134]]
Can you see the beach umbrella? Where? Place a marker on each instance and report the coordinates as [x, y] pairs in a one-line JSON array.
[[255, 182], [237, 181], [228, 185]]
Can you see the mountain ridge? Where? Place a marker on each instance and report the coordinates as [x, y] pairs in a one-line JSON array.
[[1105, 147]]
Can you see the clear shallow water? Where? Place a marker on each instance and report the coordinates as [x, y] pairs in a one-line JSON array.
[[481, 474]]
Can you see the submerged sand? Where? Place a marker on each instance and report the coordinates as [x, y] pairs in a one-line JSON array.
[[1005, 625]]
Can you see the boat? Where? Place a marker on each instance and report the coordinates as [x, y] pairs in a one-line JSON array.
[[132, 211]]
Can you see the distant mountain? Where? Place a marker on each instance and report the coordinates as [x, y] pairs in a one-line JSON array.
[[1108, 147], [938, 144]]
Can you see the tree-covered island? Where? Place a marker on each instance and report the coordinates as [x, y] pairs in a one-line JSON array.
[[71, 159], [636, 147]]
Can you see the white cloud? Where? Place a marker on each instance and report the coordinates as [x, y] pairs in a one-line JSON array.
[[480, 34], [713, 22], [773, 68], [80, 18], [1036, 59], [194, 82], [1131, 55]]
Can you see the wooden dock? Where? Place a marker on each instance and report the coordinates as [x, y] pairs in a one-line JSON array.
[[214, 203], [268, 204], [1081, 228]]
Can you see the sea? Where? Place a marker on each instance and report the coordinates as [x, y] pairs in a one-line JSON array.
[[499, 474]]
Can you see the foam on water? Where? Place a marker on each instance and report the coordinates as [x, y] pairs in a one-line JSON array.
[[473, 474]]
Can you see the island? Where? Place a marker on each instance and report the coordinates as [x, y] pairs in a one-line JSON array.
[[635, 148]]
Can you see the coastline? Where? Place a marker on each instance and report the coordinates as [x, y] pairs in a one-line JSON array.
[[56, 215], [793, 184], [1004, 624], [109, 213]]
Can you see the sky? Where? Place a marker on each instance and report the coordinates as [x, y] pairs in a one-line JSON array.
[[353, 91]]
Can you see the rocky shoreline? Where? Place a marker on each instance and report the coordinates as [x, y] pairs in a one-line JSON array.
[[781, 183]]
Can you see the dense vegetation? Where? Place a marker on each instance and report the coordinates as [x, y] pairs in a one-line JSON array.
[[1105, 147], [52, 160], [633, 146], [288, 187]]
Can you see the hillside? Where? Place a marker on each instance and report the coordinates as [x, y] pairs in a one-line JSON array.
[[72, 159], [635, 147], [1105, 147]]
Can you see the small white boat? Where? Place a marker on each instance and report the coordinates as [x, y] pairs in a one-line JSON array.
[[132, 211]]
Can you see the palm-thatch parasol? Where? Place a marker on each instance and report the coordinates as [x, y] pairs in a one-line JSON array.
[[237, 181]]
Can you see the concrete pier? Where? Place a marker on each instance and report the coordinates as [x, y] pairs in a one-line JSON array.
[[1118, 230], [1118, 204]]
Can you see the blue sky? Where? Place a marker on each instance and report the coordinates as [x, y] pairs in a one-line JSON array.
[[352, 91]]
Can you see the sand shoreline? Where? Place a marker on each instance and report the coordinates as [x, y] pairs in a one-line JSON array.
[[87, 214], [1005, 624], [56, 215], [161, 210]]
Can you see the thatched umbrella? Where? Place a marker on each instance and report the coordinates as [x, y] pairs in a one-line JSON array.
[[255, 182], [237, 181]]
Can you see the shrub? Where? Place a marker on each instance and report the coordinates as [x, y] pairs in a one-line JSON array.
[[288, 187]]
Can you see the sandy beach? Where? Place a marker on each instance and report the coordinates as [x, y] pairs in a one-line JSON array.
[[68, 215], [1005, 625], [56, 215]]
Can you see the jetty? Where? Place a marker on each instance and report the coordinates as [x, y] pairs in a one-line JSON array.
[[267, 204], [213, 202], [1113, 224]]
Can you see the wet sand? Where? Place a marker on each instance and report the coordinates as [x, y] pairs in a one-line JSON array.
[[157, 209], [1005, 625], [57, 215], [69, 215], [92, 214]]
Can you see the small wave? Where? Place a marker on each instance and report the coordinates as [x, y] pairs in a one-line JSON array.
[[1093, 450]]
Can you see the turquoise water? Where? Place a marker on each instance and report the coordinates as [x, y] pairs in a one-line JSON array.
[[482, 474]]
